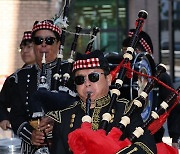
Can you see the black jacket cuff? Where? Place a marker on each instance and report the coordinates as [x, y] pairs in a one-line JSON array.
[[25, 132]]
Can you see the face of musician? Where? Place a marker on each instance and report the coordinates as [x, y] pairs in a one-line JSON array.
[[45, 42], [27, 53], [93, 81]]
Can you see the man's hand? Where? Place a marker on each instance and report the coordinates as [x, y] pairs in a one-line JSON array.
[[37, 138], [5, 124], [45, 126]]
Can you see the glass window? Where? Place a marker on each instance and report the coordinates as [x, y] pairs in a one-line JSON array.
[[164, 34], [108, 15], [101, 13], [108, 41]]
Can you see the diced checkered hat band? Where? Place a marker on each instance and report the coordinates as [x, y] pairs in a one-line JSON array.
[[90, 60], [145, 45], [27, 35], [142, 41], [86, 64], [46, 25]]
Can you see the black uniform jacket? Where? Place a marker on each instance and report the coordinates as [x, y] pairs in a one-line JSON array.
[[70, 118], [5, 97], [26, 84]]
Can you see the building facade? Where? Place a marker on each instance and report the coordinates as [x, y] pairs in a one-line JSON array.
[[114, 18]]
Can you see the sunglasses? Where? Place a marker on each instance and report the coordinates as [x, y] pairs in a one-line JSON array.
[[40, 40], [93, 77]]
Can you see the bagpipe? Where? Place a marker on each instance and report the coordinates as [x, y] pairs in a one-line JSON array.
[[80, 139], [86, 140], [66, 75], [90, 44], [62, 23], [121, 71]]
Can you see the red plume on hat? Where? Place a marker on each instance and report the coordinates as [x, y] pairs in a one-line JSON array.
[[144, 41]]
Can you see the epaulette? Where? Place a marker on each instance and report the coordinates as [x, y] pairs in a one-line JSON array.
[[56, 115], [15, 76]]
